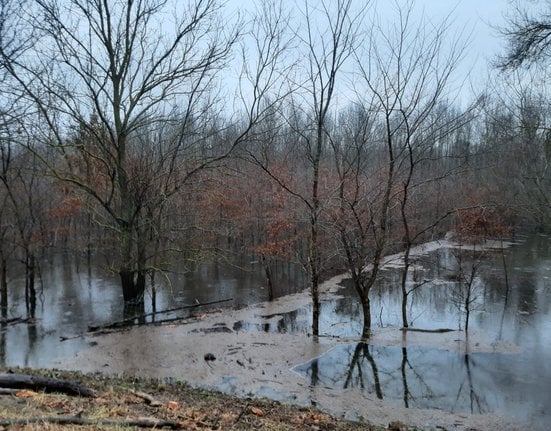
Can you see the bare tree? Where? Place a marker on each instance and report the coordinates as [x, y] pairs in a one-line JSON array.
[[327, 38], [16, 229], [403, 77], [127, 92], [528, 38]]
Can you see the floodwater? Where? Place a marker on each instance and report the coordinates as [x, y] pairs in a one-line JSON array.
[[509, 372], [73, 295]]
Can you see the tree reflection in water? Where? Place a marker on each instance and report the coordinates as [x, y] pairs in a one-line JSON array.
[[414, 377], [362, 349]]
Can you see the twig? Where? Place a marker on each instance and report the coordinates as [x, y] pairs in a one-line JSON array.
[[243, 411]]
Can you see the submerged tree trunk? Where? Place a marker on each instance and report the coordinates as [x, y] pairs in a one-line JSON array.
[[404, 287], [366, 308], [3, 287], [132, 272], [30, 290], [133, 285], [314, 267], [269, 278], [314, 289]]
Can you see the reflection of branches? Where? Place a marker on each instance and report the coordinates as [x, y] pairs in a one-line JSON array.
[[473, 396], [466, 295], [355, 362], [506, 274], [420, 379]]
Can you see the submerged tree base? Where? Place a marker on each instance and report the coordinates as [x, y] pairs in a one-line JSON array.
[[133, 286]]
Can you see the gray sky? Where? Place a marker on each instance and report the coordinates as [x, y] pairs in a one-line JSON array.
[[475, 18], [472, 19]]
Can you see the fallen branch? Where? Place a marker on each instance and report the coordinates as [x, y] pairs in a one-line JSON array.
[[432, 331], [10, 320], [6, 391], [148, 398], [130, 321], [69, 337], [37, 383], [75, 420], [15, 320]]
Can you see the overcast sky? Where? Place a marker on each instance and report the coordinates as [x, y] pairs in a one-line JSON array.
[[470, 17], [475, 18]]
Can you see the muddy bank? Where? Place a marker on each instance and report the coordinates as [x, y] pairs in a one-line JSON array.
[[265, 364]]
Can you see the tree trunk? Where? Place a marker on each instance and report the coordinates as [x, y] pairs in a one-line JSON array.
[[315, 306], [366, 308], [314, 265], [313, 262], [404, 287], [3, 287], [269, 281], [132, 272], [467, 308], [30, 291], [133, 285]]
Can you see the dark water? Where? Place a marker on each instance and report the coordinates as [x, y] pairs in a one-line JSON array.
[[518, 312], [74, 295]]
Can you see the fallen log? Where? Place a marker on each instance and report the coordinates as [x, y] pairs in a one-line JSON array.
[[75, 420], [10, 320], [130, 321], [37, 383], [430, 331], [15, 320]]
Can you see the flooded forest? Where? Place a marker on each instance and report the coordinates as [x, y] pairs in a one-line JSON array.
[[162, 161]]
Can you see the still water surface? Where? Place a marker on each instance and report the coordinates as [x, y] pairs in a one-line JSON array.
[[518, 312]]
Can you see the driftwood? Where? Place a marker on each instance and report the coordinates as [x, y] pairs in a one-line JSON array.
[[37, 383], [130, 321], [75, 420]]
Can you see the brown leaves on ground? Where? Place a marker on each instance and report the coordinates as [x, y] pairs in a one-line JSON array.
[[193, 409]]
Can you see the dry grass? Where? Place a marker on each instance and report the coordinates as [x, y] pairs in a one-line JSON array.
[[192, 409]]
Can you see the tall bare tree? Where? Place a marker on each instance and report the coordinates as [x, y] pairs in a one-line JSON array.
[[327, 34], [403, 76], [126, 90]]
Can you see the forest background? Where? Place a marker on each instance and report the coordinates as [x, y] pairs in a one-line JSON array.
[[155, 134]]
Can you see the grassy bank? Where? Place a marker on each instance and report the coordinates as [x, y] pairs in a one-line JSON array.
[[128, 403]]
